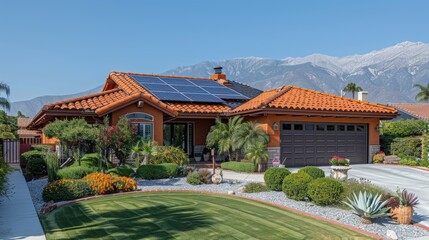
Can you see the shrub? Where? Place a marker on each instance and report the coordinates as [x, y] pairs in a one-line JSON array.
[[157, 171], [102, 183], [255, 187], [409, 146], [424, 163], [41, 147], [4, 171], [52, 165], [325, 191], [124, 184], [122, 171], [77, 172], [34, 154], [274, 177], [239, 166], [314, 172], [353, 185], [91, 160], [36, 166], [295, 185], [183, 171], [378, 157], [408, 162], [66, 189], [170, 154], [368, 206], [206, 174], [194, 178]]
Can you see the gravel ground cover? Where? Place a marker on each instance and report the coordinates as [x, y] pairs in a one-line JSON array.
[[379, 227]]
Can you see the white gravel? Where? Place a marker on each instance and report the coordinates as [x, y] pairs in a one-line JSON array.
[[379, 227]]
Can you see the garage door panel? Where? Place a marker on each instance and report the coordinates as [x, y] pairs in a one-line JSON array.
[[317, 143]]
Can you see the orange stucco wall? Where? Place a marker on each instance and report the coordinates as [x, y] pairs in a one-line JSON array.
[[201, 128], [46, 140], [157, 118], [267, 123]]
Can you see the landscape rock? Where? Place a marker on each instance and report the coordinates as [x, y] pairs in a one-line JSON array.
[[391, 159], [241, 189], [231, 192], [390, 234]]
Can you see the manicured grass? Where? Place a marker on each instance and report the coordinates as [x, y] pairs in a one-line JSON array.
[[184, 215]]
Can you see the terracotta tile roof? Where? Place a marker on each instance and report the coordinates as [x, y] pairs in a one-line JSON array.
[[89, 102], [296, 98], [199, 108], [24, 122], [28, 133], [419, 110]]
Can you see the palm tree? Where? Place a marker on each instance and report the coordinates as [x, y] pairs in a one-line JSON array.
[[4, 103], [257, 153], [147, 149], [352, 87], [223, 135], [423, 95], [249, 134]]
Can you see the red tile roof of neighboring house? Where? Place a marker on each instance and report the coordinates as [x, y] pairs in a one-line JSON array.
[[296, 98], [419, 110], [24, 122], [22, 133]]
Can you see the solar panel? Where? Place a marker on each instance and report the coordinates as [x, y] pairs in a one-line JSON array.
[[189, 89], [146, 79], [177, 81], [231, 96], [170, 96], [206, 83], [158, 87], [219, 90], [203, 98]]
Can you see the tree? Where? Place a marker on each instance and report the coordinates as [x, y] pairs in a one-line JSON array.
[[4, 102], [120, 138], [423, 95], [257, 153], [352, 87], [147, 149], [71, 133], [250, 133], [19, 114]]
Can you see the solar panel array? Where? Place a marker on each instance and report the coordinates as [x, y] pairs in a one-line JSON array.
[[187, 90]]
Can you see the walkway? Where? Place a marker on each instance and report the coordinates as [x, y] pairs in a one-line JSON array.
[[388, 176], [18, 218]]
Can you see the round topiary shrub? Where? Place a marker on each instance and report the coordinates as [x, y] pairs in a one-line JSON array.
[[66, 189], [314, 172], [295, 185], [325, 191], [157, 171], [36, 166], [274, 177], [30, 155], [194, 178]]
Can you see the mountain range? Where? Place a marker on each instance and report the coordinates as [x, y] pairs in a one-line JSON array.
[[388, 74]]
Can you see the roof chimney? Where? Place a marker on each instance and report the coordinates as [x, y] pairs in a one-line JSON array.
[[363, 96], [218, 76]]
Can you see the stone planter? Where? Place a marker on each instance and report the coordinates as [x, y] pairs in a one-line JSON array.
[[402, 215], [340, 172]]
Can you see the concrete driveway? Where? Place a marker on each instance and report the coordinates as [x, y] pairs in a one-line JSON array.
[[390, 177]]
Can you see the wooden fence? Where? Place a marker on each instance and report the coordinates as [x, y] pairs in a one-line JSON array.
[[11, 151]]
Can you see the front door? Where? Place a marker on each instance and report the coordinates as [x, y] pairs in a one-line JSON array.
[[179, 135]]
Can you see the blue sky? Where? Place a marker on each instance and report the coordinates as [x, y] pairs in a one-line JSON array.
[[61, 47]]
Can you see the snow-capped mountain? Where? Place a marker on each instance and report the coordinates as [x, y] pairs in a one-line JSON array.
[[388, 74]]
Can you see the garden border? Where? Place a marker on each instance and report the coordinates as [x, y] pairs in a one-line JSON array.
[[375, 236]]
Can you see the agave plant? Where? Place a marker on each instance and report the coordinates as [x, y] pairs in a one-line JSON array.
[[407, 199], [368, 206]]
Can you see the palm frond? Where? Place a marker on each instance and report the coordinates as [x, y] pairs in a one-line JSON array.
[[4, 103], [4, 88]]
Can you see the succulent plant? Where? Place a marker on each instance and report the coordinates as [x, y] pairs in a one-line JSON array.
[[407, 199], [368, 206]]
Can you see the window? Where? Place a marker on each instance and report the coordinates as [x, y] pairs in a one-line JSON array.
[[143, 123], [286, 126], [341, 128], [298, 127], [360, 128], [330, 127], [309, 127], [320, 127], [350, 128]]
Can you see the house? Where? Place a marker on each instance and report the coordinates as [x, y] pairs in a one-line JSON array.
[[306, 127], [412, 111]]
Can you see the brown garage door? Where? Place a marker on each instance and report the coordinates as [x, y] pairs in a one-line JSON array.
[[305, 144]]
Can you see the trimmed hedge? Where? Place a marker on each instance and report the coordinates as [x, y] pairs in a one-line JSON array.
[[75, 172], [274, 177], [409, 146], [194, 178], [122, 171], [33, 154], [325, 191], [66, 189], [314, 172], [37, 166], [239, 166], [295, 185], [157, 171]]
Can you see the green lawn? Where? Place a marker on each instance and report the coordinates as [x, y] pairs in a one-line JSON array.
[[182, 215]]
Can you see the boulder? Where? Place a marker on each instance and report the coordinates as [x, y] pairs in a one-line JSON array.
[[231, 192], [391, 235], [392, 159]]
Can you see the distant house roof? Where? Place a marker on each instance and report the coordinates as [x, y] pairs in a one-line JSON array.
[[24, 122], [297, 98], [417, 110], [22, 131]]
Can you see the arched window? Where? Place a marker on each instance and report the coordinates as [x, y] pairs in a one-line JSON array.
[[143, 123]]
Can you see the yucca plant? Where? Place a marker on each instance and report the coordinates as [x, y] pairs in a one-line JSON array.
[[407, 199], [368, 206]]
